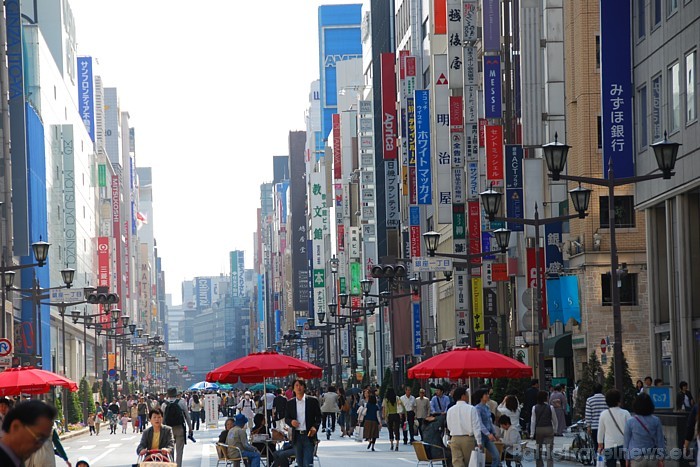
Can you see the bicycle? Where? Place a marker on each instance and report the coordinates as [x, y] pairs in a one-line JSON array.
[[582, 445]]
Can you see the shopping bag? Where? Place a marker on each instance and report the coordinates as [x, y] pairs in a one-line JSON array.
[[359, 431], [601, 460], [478, 458]]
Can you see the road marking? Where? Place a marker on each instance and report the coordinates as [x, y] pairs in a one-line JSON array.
[[113, 446], [87, 446], [94, 461], [206, 452]]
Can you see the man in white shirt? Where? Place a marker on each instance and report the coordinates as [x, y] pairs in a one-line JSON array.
[[303, 414], [408, 403], [465, 429]]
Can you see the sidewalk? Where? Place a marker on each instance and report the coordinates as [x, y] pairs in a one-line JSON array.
[[562, 448]]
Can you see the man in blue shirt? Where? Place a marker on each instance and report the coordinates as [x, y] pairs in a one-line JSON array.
[[488, 430], [440, 402]]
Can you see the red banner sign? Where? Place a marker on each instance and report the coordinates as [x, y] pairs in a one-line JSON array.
[[341, 237], [494, 153], [103, 268], [337, 158], [415, 240], [389, 124], [474, 220], [482, 132], [532, 281], [499, 272]]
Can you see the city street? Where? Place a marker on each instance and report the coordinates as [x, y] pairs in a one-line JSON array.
[[119, 450]]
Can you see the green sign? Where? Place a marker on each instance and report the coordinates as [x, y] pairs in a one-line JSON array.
[[342, 285], [459, 222], [319, 278], [355, 278], [102, 175]]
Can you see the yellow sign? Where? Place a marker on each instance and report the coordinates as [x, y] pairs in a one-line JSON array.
[[478, 312]]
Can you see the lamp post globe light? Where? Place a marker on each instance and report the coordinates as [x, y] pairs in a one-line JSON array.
[[666, 154]]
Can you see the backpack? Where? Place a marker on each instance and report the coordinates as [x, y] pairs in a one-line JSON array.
[[173, 415]]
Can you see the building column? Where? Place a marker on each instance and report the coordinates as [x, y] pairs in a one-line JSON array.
[[683, 348], [671, 226]]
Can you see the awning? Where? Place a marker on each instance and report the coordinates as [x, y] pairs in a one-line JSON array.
[[558, 346]]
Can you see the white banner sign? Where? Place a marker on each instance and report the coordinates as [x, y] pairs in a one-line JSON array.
[[211, 410]]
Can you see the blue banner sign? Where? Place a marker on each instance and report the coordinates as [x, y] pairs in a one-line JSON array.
[[492, 86], [514, 207], [424, 177], [86, 95], [417, 341], [616, 86], [514, 166], [554, 260], [414, 215]]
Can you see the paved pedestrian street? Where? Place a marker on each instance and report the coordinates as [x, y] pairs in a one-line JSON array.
[[108, 450]]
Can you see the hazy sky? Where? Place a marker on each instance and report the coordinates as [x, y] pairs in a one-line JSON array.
[[212, 88]]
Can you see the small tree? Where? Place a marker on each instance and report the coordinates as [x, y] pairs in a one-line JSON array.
[[629, 391], [74, 412], [85, 397], [592, 375]]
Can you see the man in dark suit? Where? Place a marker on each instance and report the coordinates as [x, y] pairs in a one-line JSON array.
[[27, 427], [303, 415]]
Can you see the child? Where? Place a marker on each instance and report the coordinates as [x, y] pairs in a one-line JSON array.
[[511, 439], [91, 424], [125, 422]]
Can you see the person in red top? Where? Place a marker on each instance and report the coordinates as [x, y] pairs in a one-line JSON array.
[[289, 393]]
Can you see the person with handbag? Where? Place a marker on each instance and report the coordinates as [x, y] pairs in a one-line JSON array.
[[392, 417], [645, 445], [611, 434], [543, 425], [361, 411]]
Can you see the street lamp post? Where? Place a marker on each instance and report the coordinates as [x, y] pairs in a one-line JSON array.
[[665, 153], [41, 252], [491, 201]]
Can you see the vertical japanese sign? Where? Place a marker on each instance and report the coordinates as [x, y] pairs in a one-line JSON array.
[[459, 235], [443, 144], [389, 124], [491, 15], [474, 219], [319, 228], [301, 292], [116, 234], [411, 122], [469, 20], [409, 175], [424, 177], [454, 44], [86, 95], [457, 130], [391, 190], [532, 282], [492, 86], [416, 322], [103, 274], [337, 155], [478, 312], [553, 256], [514, 185], [616, 86], [403, 124], [494, 153], [414, 226]]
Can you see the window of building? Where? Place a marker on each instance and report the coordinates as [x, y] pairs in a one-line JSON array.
[[674, 79], [642, 118], [656, 15], [624, 212], [690, 103], [597, 51], [600, 132], [656, 123], [671, 7], [641, 20], [627, 286]]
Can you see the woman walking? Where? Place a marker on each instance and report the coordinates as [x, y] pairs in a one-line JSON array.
[[645, 445], [134, 412], [543, 425], [371, 422], [392, 417], [611, 434], [558, 401], [195, 410]]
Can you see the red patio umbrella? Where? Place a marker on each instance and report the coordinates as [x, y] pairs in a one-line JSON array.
[[468, 362], [257, 367], [30, 380]]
